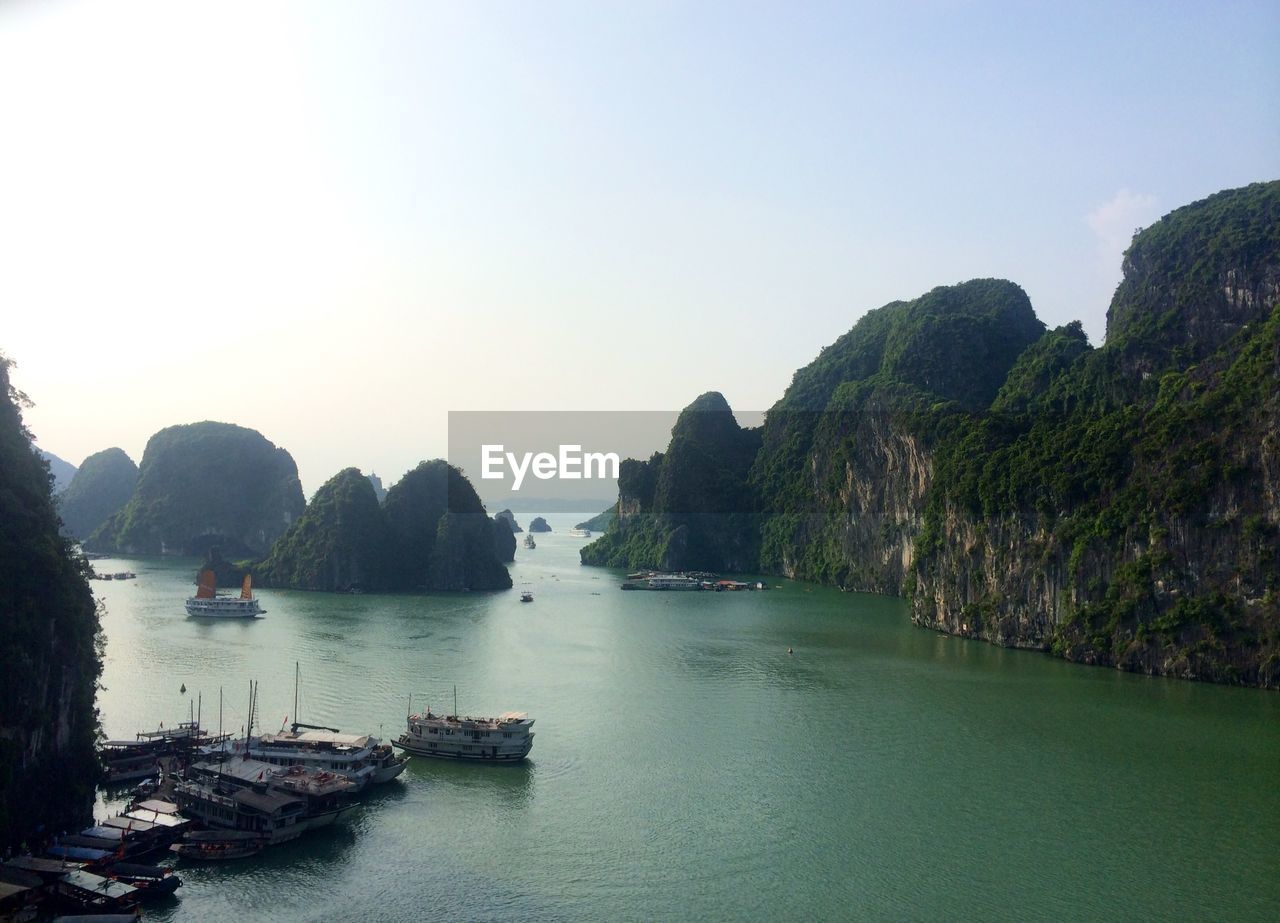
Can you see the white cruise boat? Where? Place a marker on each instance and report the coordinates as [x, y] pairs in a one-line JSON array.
[[579, 533], [208, 604], [505, 739], [359, 758]]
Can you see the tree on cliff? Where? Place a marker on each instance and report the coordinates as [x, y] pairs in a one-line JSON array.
[[48, 647]]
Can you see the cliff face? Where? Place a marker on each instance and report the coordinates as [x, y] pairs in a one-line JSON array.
[[1131, 517], [690, 508], [1116, 506], [101, 487], [341, 542], [206, 484], [48, 626]]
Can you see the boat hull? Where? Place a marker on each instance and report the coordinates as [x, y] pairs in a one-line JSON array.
[[474, 757]]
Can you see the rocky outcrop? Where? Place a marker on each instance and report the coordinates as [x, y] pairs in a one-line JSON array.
[[504, 540], [206, 484], [100, 489], [442, 539], [691, 507], [510, 517], [1116, 506], [539, 525], [50, 667], [341, 542]]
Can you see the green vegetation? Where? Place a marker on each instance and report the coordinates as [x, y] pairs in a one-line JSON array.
[[441, 537], [431, 533], [601, 521], [49, 647], [206, 484], [341, 542], [690, 507], [100, 488], [1114, 505]]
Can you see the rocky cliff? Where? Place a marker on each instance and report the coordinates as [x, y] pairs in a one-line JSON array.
[[50, 664], [206, 484], [1115, 506], [101, 487]]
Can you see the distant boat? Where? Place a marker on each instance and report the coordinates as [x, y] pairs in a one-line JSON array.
[[526, 597], [580, 533], [529, 542], [209, 604]]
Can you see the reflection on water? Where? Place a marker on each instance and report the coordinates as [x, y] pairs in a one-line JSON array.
[[685, 766]]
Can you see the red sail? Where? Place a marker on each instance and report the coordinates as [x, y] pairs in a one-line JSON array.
[[208, 585], [245, 592]]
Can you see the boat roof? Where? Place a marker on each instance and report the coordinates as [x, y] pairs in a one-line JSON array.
[[10, 889], [87, 881], [129, 823], [160, 807], [318, 737], [37, 864], [268, 802], [156, 818], [78, 852]]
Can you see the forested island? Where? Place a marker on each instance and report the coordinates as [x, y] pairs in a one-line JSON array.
[[48, 648], [1117, 505], [431, 533]]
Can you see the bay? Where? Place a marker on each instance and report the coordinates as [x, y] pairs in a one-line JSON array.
[[687, 767]]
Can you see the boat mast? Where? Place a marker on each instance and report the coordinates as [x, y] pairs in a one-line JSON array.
[[297, 672], [455, 700]]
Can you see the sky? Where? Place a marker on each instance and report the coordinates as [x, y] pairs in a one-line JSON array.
[[336, 223]]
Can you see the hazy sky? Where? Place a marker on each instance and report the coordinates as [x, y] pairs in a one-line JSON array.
[[336, 222]]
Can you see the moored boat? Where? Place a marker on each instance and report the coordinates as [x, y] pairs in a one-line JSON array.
[[207, 603], [507, 738]]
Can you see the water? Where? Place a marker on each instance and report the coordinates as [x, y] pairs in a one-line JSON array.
[[686, 767]]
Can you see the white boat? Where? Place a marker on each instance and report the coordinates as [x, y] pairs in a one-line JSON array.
[[208, 604], [580, 533], [361, 759], [529, 542], [505, 739]]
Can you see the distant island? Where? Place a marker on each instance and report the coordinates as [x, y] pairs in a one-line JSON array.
[[601, 521], [431, 533], [1113, 505], [63, 471], [102, 485], [511, 521], [206, 484], [539, 525]]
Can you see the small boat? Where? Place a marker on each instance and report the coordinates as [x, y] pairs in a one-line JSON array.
[[579, 533], [216, 845], [529, 542], [526, 597], [207, 603], [150, 880]]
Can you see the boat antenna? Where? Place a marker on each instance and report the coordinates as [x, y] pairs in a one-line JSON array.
[[297, 672], [455, 700], [199, 707], [410, 711]]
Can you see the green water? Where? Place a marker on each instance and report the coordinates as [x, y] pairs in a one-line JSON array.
[[686, 767]]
